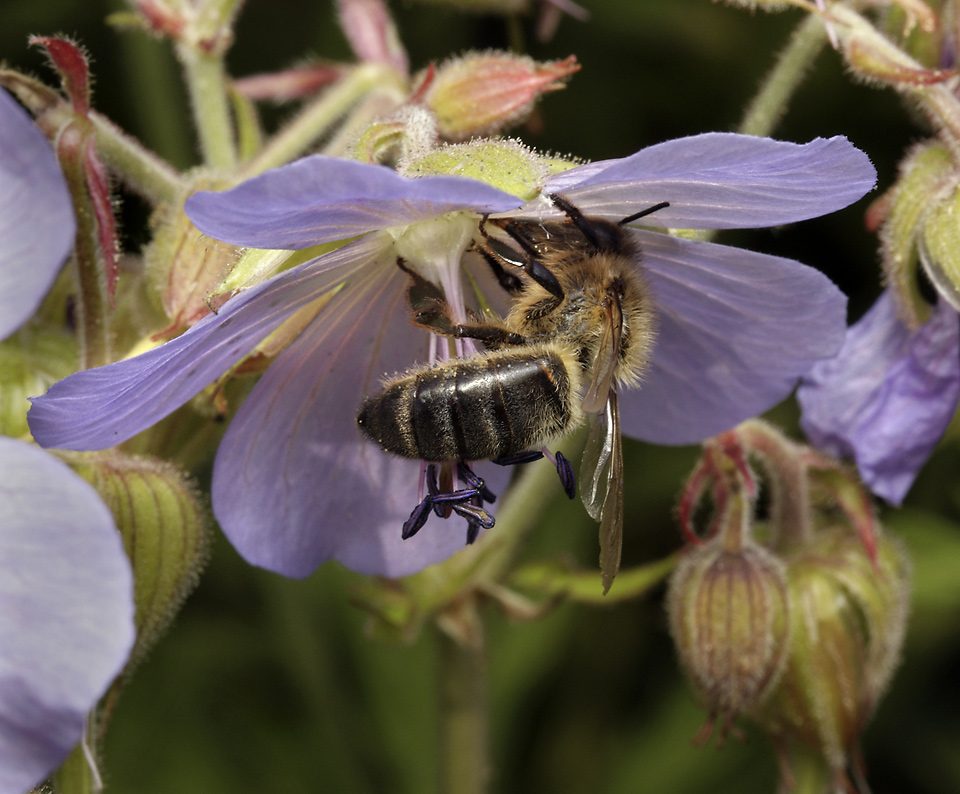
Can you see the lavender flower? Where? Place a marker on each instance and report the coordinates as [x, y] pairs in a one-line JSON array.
[[888, 396], [295, 484], [66, 600], [31, 188], [66, 611]]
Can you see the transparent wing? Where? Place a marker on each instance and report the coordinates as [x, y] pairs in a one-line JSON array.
[[595, 463], [601, 478], [607, 356]]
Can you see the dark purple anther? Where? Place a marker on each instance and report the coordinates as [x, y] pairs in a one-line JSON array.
[[417, 519], [468, 476]]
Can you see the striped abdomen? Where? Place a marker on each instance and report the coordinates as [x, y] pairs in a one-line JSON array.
[[485, 406]]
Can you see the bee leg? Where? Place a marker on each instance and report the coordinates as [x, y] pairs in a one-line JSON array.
[[491, 335], [527, 259], [567, 478], [583, 223], [517, 458], [563, 466], [427, 303], [510, 283]]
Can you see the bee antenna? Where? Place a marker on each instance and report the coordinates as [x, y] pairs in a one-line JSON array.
[[643, 213]]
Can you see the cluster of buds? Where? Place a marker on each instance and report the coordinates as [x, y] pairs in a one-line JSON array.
[[794, 621]]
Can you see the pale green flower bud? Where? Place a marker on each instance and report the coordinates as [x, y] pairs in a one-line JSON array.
[[848, 620], [31, 360], [184, 267], [728, 613], [164, 525], [505, 164], [914, 220]]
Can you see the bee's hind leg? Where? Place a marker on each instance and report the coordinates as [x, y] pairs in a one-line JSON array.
[[563, 466]]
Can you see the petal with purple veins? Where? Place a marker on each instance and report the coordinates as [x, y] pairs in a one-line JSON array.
[[735, 330], [888, 396], [37, 226], [295, 483], [101, 407], [320, 199], [718, 181], [66, 610]]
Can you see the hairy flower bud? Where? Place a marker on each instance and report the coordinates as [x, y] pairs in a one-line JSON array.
[[183, 268], [164, 529], [848, 619], [940, 247], [30, 362], [483, 93], [729, 619], [924, 180], [505, 164]]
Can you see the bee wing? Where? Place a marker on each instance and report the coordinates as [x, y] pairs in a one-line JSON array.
[[608, 353], [601, 478]]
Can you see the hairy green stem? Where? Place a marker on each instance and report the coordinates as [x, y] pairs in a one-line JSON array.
[[144, 172], [778, 87], [937, 100], [92, 305], [207, 84], [464, 765], [320, 116]]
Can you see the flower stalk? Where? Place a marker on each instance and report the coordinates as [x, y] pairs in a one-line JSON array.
[[145, 172], [206, 81], [92, 301], [771, 102], [464, 745], [78, 774], [319, 116], [862, 42]]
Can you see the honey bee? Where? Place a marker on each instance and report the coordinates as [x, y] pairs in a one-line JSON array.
[[580, 323]]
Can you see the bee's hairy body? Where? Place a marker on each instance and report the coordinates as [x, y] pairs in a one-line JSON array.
[[485, 406], [523, 393]]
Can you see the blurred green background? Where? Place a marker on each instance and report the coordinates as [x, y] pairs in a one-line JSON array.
[[270, 685]]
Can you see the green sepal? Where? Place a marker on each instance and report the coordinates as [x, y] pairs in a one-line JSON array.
[[921, 180], [940, 248], [165, 528], [504, 164], [31, 361]]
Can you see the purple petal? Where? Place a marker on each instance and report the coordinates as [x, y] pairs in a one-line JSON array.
[[319, 199], [98, 408], [719, 181], [295, 483], [887, 398], [36, 217], [735, 331], [66, 610]]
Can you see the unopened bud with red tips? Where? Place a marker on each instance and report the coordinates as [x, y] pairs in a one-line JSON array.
[[848, 619], [483, 93], [164, 525], [728, 612], [371, 32]]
